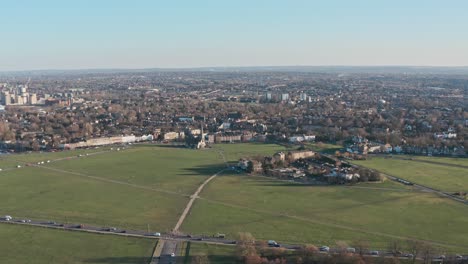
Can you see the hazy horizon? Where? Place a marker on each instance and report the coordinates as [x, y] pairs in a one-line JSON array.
[[56, 35]]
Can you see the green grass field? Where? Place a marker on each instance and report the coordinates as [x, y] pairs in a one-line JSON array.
[[125, 189], [43, 194], [149, 185], [445, 178], [294, 213], [43, 156], [323, 147], [173, 169], [454, 161], [218, 254], [24, 244]]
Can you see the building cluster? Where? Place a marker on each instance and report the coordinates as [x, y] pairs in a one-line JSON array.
[[18, 95], [306, 166], [393, 112]]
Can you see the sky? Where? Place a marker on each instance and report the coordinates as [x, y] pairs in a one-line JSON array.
[[89, 34]]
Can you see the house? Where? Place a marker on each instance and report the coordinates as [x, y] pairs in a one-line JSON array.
[[300, 154], [279, 156]]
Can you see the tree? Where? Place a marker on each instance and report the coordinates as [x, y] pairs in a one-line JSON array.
[[414, 248], [395, 247], [245, 246], [361, 246]]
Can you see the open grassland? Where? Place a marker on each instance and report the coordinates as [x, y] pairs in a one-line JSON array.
[[33, 157], [453, 161], [49, 195], [219, 254], [323, 147], [169, 168], [296, 213], [445, 178], [24, 244]]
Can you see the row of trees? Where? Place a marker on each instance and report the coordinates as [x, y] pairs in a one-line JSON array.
[[250, 251]]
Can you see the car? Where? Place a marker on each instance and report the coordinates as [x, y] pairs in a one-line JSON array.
[[324, 249], [51, 223], [219, 235], [0, 169], [272, 243], [112, 229], [441, 257], [374, 253], [123, 231], [459, 257], [22, 221], [7, 218], [157, 234], [18, 166], [408, 255], [172, 255], [48, 161], [351, 250]]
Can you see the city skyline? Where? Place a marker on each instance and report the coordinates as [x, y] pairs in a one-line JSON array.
[[119, 35]]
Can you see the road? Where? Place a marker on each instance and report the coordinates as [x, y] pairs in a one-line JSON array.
[[167, 242], [429, 189]]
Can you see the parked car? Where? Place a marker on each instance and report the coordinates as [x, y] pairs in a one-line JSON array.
[[157, 234], [374, 253]]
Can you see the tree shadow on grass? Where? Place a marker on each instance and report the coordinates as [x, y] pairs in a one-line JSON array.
[[125, 260], [204, 170]]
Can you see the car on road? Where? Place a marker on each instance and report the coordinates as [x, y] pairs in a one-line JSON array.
[[172, 255], [374, 253], [7, 218], [408, 255], [123, 231], [157, 234], [273, 243], [219, 235], [351, 250], [324, 249]]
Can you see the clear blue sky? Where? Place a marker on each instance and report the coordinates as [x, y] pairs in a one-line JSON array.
[[77, 34]]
